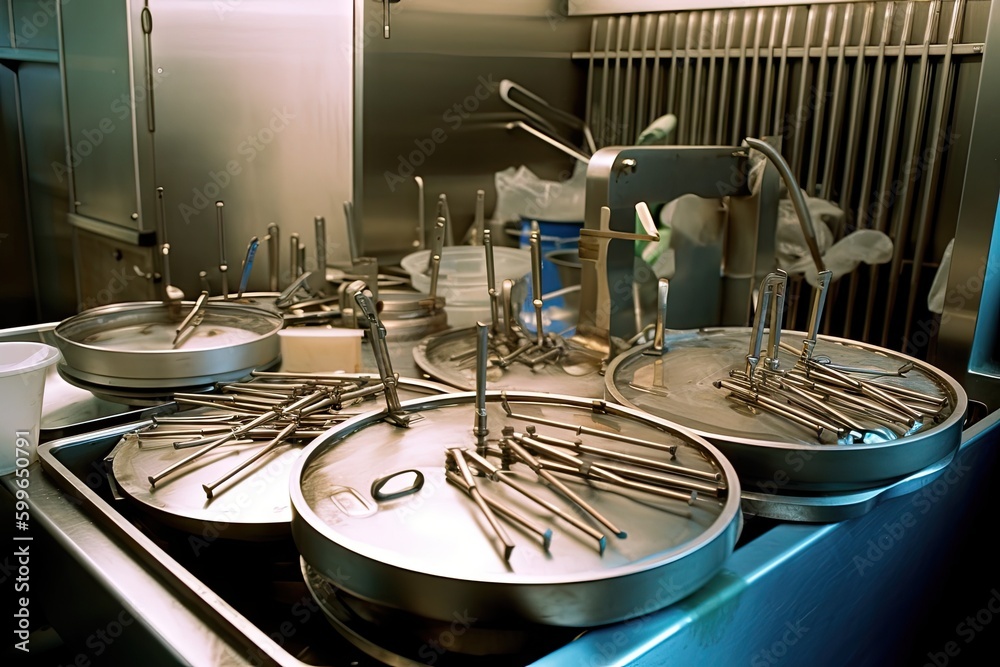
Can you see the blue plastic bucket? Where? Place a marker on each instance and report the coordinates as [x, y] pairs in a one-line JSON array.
[[554, 236]]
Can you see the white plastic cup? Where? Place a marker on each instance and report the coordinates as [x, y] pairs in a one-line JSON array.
[[23, 366], [320, 350]]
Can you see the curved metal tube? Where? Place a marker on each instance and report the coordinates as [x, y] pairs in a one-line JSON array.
[[795, 192]]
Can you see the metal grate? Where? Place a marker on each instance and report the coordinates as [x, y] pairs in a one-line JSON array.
[[864, 96]]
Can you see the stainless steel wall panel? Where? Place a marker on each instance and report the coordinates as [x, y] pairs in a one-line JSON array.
[[42, 125], [254, 109], [36, 23], [5, 27], [112, 270], [17, 291], [430, 106]]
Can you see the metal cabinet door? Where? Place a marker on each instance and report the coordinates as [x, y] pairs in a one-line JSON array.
[[104, 95]]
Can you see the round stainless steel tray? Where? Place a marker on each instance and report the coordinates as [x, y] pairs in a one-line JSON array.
[[410, 316], [252, 506], [404, 640], [427, 553], [134, 396], [130, 345], [449, 357], [771, 454]]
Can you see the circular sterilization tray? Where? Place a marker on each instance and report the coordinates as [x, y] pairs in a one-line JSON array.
[[771, 453], [429, 549]]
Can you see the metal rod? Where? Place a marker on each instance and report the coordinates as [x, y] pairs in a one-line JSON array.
[[588, 113], [862, 403], [445, 213], [711, 88], [938, 401], [421, 241], [696, 114], [640, 101], [273, 258], [816, 313], [184, 433], [586, 430], [170, 292], [774, 330], [435, 273], [458, 456], [889, 161], [818, 422], [760, 319], [854, 118], [684, 116], [352, 233], [738, 114], [479, 221], [376, 333], [605, 74], [294, 266], [655, 93], [792, 416], [536, 284], [874, 116], [621, 457], [656, 478], [319, 224], [836, 121], [192, 419], [497, 475], [819, 100], [557, 484], [662, 291], [901, 221], [615, 94], [191, 320], [627, 137], [798, 137], [223, 266], [751, 126], [491, 283], [437, 240], [768, 91], [273, 444], [819, 406], [504, 511], [234, 434], [507, 301], [674, 50], [480, 429], [936, 144], [781, 122], [598, 473]]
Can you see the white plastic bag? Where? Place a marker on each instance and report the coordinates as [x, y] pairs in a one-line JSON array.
[[520, 193], [935, 299]]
